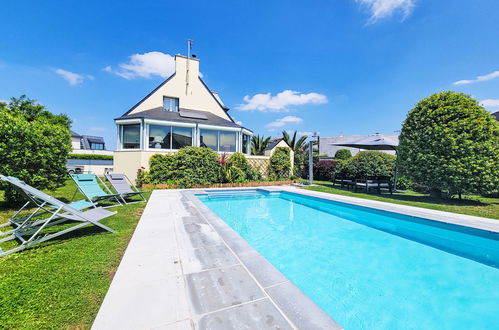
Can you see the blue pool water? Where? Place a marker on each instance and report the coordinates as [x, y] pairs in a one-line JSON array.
[[370, 269]]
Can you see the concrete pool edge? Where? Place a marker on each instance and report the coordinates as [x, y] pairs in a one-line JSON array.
[[289, 299], [464, 220]]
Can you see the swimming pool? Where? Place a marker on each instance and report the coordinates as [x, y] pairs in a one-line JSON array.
[[369, 268]]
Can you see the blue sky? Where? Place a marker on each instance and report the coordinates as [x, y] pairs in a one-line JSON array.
[[332, 66]]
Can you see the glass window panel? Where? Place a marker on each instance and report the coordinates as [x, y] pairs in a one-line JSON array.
[[209, 139], [228, 141], [96, 146], [246, 143], [181, 137], [160, 137], [131, 136], [170, 104]]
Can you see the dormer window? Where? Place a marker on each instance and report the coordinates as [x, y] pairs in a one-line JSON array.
[[170, 104]]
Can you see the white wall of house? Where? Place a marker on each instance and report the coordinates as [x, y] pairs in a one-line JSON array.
[[75, 143]]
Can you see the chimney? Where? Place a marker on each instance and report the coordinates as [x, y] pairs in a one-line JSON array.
[[187, 69]]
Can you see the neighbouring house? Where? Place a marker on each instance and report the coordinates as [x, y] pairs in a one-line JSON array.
[[89, 145], [182, 111], [327, 144], [496, 115]]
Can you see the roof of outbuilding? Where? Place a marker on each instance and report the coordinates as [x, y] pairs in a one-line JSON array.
[[74, 134], [496, 114], [273, 143], [160, 114]]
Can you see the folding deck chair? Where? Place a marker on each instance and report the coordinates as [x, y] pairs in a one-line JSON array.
[[88, 185], [17, 220], [124, 187], [29, 230]]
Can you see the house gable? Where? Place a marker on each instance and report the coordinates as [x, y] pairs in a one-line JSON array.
[[186, 85]]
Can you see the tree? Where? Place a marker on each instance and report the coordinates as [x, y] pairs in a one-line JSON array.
[[297, 145], [343, 154], [450, 143], [300, 148], [258, 144], [34, 144]]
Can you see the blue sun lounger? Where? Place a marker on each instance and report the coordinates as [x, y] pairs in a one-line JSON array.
[[88, 184], [49, 211]]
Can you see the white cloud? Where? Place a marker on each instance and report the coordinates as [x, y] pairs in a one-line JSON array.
[[490, 104], [385, 8], [485, 77], [145, 66], [71, 77], [283, 121], [281, 101], [240, 123]]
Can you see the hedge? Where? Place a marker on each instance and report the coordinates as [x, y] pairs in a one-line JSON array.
[[90, 156]]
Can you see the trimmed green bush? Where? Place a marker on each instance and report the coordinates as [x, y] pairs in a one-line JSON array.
[[370, 163], [280, 164], [90, 156], [188, 167], [240, 161], [34, 145], [343, 154], [450, 143]]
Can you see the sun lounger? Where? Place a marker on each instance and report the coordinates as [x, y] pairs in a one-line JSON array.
[[33, 202], [124, 187], [30, 230], [88, 184]]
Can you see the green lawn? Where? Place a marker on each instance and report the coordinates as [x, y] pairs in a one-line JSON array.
[[61, 283], [471, 205]]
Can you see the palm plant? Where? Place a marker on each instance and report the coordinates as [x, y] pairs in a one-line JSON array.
[[258, 144], [297, 145]]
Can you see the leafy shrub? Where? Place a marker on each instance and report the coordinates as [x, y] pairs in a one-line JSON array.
[[235, 174], [450, 143], [343, 154], [370, 163], [280, 164], [404, 183], [34, 145], [324, 170], [90, 156], [240, 161], [188, 167]]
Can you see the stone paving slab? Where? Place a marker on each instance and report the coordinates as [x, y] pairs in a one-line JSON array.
[[247, 316], [300, 309], [215, 289]]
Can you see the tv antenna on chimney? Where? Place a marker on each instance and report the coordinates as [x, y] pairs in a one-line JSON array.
[[189, 47]]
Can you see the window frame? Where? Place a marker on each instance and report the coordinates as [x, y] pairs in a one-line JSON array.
[[148, 123], [122, 135], [171, 98]]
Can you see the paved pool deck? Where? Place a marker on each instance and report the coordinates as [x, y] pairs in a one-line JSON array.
[[185, 268]]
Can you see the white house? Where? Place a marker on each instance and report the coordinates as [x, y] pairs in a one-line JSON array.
[[181, 111], [88, 144]]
